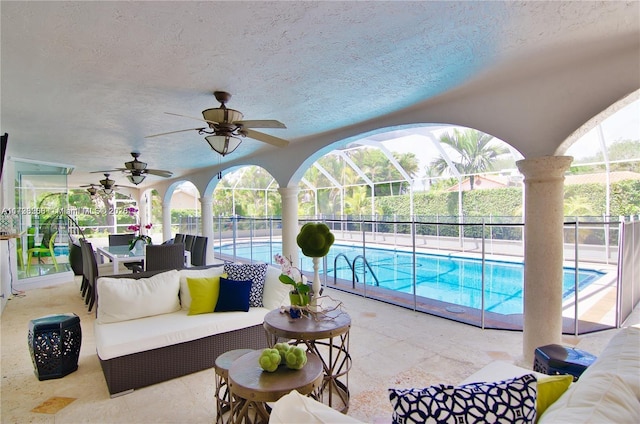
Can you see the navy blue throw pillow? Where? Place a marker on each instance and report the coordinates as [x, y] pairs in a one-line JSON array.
[[234, 296]]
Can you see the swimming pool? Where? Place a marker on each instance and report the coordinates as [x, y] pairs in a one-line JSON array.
[[446, 278]]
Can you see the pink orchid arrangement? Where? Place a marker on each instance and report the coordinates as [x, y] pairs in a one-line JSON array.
[[136, 228]]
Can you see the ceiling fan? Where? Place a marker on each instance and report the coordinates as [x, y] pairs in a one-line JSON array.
[[91, 188], [138, 170], [226, 126], [107, 186]]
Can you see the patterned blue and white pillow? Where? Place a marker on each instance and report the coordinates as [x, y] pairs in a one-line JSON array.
[[508, 401], [257, 273]]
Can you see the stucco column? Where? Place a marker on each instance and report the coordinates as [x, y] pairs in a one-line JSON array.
[[289, 197], [206, 207], [543, 250], [144, 212], [166, 221]]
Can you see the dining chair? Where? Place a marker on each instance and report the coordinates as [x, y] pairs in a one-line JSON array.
[[179, 238], [47, 249], [89, 273], [120, 239], [164, 256], [124, 240], [199, 251], [188, 241]]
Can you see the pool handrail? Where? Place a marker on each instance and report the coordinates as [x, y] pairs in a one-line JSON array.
[[366, 263]]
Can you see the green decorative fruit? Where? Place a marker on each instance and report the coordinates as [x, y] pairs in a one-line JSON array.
[[283, 348], [269, 359], [296, 358]]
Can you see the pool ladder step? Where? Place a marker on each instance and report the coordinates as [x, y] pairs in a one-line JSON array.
[[352, 266]]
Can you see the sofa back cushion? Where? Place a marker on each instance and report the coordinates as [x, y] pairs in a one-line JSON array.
[[276, 294], [123, 299], [603, 397]]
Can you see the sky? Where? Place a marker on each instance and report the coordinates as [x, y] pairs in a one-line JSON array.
[[623, 125]]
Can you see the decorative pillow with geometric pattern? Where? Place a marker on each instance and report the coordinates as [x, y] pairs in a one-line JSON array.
[[257, 273], [508, 401]]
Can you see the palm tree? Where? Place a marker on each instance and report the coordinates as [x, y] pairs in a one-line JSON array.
[[475, 153], [409, 162]]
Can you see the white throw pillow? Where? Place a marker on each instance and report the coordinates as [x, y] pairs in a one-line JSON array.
[[185, 297], [123, 299]]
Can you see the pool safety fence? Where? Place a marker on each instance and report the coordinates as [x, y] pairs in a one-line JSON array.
[[588, 244]]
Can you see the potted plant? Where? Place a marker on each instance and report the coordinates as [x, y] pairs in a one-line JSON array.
[[140, 239], [299, 294]]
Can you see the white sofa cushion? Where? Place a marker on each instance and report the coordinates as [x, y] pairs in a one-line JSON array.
[[621, 356], [123, 338], [123, 299], [601, 398]]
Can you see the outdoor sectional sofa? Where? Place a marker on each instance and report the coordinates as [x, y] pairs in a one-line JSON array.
[[607, 392], [145, 335]]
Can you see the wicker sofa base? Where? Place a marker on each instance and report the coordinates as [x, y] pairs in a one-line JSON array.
[[129, 372]]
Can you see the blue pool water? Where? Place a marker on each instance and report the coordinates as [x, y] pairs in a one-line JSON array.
[[446, 278]]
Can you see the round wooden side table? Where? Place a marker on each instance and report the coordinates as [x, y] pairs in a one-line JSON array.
[[326, 336], [222, 365], [251, 387]]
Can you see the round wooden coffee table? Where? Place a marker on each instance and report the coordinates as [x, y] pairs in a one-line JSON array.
[[251, 387], [328, 338]]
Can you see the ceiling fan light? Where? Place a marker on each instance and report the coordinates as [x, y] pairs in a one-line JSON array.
[[135, 165], [136, 179], [223, 144], [107, 183], [222, 115], [107, 191]]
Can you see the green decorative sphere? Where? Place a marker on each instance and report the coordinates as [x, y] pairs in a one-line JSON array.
[[315, 239]]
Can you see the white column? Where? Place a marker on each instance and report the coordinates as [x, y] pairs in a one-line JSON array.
[[206, 208], [289, 197], [166, 221], [543, 250], [144, 212]]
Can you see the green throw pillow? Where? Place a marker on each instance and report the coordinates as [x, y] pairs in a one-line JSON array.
[[550, 388], [204, 294]]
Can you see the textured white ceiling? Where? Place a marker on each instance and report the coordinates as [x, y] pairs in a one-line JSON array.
[[84, 82]]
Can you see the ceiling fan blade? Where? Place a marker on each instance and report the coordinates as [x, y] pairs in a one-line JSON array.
[[261, 123], [174, 132], [191, 117], [159, 172], [102, 172], [266, 138]]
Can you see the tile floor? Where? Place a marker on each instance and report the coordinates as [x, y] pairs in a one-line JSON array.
[[390, 347]]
